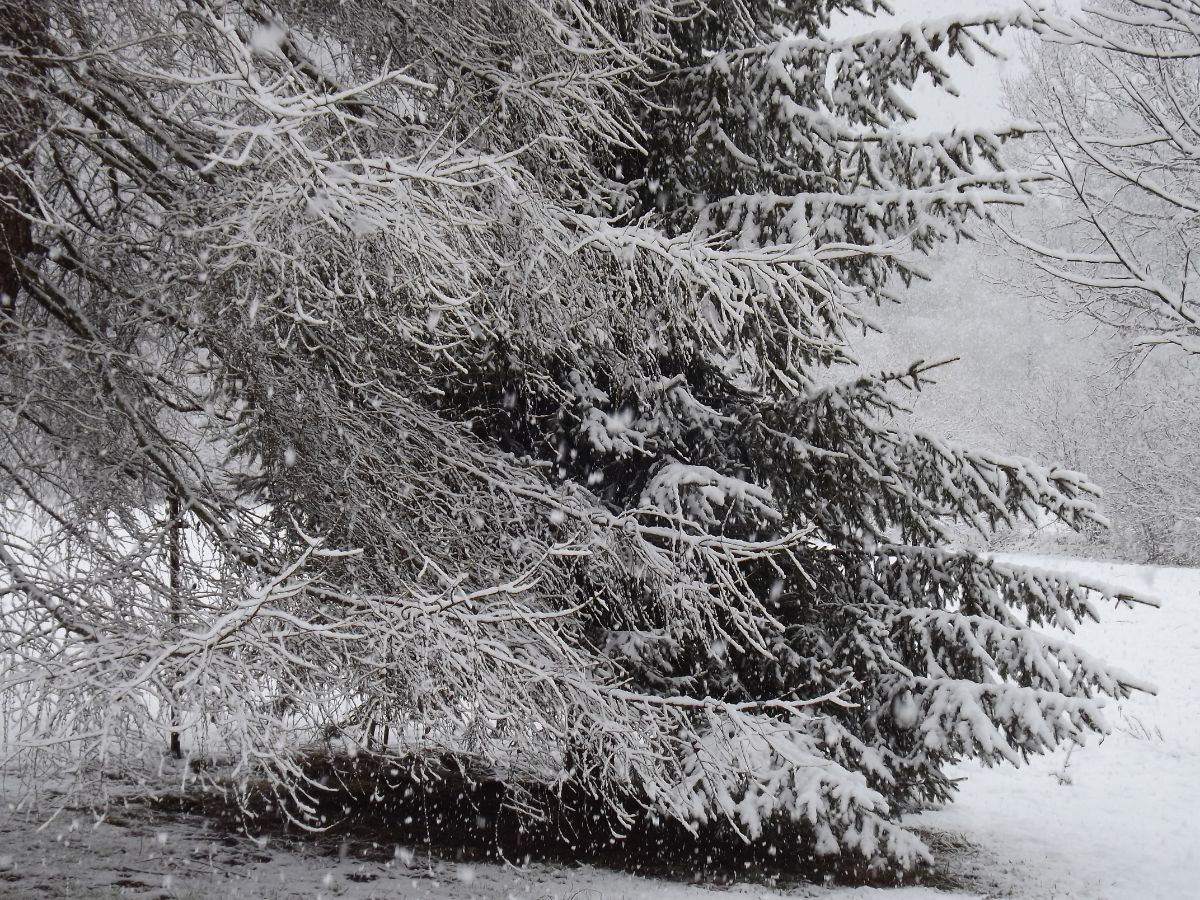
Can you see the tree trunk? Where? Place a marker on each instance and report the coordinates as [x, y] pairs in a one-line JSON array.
[[22, 27], [174, 563]]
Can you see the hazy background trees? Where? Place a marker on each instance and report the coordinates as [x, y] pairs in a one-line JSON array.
[[1115, 243], [1032, 378], [1074, 322]]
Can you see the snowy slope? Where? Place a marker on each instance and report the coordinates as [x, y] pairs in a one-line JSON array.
[[1114, 820]]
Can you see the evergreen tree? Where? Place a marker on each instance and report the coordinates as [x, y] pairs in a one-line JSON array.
[[494, 358]]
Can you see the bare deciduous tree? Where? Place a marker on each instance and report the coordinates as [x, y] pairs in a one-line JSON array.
[[1115, 89]]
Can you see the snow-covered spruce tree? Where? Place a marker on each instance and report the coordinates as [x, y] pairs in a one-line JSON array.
[[472, 378]]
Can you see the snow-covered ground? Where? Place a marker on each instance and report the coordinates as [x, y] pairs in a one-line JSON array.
[[1106, 822], [1118, 818]]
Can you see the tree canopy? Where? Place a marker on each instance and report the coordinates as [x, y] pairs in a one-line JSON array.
[[481, 370]]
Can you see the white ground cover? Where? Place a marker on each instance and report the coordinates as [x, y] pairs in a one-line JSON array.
[[1113, 820]]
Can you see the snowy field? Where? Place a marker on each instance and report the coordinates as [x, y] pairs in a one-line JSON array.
[[1110, 821]]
